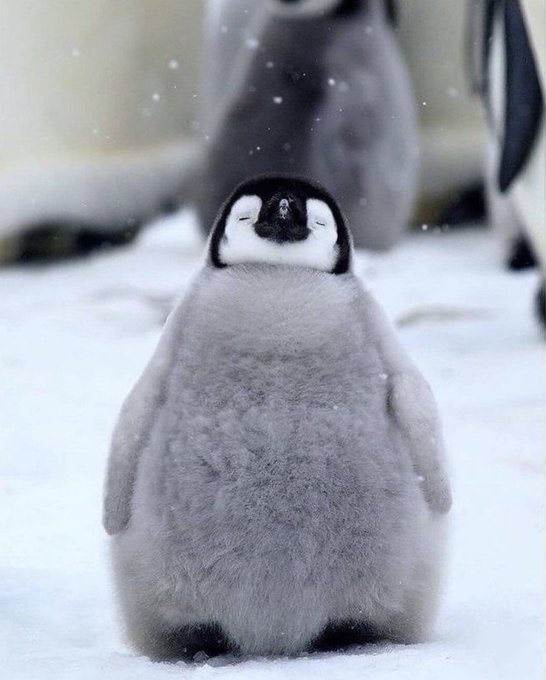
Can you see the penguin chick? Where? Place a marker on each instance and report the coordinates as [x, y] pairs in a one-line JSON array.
[[317, 88], [276, 475]]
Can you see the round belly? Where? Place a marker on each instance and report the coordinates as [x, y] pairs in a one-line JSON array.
[[315, 496]]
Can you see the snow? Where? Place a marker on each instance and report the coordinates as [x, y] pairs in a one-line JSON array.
[[75, 337]]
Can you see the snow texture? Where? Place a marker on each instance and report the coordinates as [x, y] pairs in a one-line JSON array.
[[74, 339]]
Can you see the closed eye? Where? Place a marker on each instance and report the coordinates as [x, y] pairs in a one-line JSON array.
[[243, 219], [320, 224]]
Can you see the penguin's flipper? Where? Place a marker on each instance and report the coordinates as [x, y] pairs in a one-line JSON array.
[[130, 436], [524, 99], [413, 409], [135, 422]]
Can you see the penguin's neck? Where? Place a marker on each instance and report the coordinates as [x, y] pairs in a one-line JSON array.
[[274, 308]]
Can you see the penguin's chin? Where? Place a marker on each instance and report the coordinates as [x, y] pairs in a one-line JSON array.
[[246, 247], [301, 8]]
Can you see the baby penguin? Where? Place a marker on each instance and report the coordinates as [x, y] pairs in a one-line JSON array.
[[313, 87], [276, 480]]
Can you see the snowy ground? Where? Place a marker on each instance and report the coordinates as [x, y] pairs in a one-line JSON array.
[[76, 336]]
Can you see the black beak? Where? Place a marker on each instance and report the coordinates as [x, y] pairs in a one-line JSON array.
[[283, 220]]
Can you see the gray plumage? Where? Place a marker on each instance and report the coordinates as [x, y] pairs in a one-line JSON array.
[[320, 92], [276, 472]]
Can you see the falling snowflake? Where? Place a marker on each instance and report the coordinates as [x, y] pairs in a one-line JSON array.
[[252, 43]]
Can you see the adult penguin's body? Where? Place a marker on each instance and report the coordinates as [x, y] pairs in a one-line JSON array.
[[512, 84], [276, 478], [317, 88]]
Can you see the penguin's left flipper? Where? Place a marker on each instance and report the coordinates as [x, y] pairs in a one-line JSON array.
[[413, 409], [524, 103]]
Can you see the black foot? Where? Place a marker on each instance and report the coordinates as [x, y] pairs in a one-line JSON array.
[[344, 634], [521, 255], [197, 643]]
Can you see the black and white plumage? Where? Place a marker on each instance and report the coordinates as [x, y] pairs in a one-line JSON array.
[[276, 480], [522, 94], [512, 87], [316, 88], [272, 211]]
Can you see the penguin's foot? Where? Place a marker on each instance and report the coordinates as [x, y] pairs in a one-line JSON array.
[[521, 255], [196, 642], [341, 634]]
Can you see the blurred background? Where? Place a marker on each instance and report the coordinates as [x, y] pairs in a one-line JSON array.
[[108, 108], [113, 123], [103, 98]]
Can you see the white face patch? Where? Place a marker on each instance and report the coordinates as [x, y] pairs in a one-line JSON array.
[[240, 243]]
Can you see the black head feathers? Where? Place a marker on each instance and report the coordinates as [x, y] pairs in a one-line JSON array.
[[291, 214]]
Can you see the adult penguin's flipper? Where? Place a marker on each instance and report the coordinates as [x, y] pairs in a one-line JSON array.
[[524, 99]]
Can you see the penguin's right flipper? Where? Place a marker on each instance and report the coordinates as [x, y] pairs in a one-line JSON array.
[[135, 422], [130, 437], [413, 409]]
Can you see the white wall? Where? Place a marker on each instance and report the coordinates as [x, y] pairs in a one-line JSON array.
[[79, 76]]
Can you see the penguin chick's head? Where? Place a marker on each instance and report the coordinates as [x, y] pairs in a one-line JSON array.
[[281, 220]]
